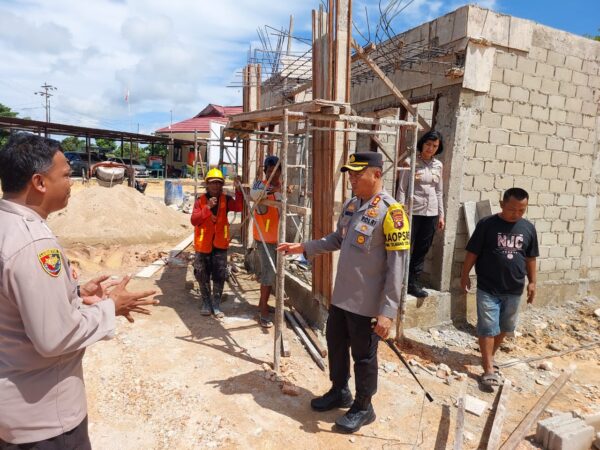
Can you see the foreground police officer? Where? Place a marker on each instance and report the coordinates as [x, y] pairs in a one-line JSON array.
[[44, 323], [372, 234]]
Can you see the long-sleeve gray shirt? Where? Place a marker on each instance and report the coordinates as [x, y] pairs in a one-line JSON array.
[[429, 188], [44, 330], [372, 239]]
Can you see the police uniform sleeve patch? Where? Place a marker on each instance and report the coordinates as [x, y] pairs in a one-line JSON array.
[[396, 228], [51, 261]]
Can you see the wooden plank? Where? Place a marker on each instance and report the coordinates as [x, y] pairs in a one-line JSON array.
[[500, 415], [311, 349], [460, 417], [375, 68], [310, 333], [154, 267], [275, 113], [303, 87], [534, 413], [369, 48], [291, 208]]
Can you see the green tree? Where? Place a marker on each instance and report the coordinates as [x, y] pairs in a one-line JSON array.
[[107, 144], [5, 111], [595, 38], [72, 144]]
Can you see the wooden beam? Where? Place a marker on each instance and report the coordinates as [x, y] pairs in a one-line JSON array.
[[460, 417], [499, 416], [369, 48], [375, 68], [303, 87], [530, 418], [275, 113]]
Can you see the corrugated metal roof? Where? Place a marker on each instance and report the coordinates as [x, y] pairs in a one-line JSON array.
[[201, 121]]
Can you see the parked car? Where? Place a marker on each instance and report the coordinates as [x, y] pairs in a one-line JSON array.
[[140, 170], [79, 162]]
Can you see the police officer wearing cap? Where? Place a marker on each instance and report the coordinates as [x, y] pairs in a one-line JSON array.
[[372, 235], [46, 320]]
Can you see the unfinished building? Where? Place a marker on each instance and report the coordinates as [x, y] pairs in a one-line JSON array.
[[517, 104]]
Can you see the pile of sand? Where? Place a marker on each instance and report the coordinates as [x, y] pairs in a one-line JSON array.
[[118, 215]]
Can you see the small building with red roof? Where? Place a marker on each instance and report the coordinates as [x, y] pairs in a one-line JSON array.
[[207, 125]]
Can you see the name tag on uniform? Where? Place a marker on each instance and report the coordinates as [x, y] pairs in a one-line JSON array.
[[368, 220]]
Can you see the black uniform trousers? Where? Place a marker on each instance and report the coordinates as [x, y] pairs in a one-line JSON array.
[[211, 265], [421, 238], [76, 439], [348, 332]]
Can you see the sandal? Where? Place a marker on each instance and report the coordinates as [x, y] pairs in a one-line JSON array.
[[497, 370], [490, 379], [265, 322]]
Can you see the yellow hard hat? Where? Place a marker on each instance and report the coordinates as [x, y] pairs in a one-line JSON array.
[[215, 174]]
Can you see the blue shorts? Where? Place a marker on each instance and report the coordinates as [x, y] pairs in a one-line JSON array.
[[496, 313]]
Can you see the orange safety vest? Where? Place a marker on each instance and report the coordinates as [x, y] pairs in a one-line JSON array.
[[211, 234], [267, 221]]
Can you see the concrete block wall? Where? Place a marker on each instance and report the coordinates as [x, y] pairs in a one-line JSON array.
[[537, 130]]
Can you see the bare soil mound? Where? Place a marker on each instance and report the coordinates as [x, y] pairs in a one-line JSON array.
[[117, 216]]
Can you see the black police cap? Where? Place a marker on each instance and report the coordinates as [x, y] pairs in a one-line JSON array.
[[360, 160]]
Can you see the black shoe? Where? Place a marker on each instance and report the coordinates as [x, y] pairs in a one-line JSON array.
[[334, 398], [355, 418], [206, 308], [216, 306], [417, 291]]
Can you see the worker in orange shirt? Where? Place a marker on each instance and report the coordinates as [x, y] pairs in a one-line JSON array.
[[211, 239], [265, 231]]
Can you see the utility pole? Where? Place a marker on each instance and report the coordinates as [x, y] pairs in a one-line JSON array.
[[47, 89]]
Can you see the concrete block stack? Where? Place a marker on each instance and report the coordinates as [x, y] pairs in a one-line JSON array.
[[567, 432]]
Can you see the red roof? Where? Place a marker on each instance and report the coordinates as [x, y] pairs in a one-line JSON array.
[[201, 121]]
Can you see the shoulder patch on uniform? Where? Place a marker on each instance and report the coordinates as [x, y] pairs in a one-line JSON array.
[[51, 261], [396, 228]]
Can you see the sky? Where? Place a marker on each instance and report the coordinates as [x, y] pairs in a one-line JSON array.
[[176, 57]]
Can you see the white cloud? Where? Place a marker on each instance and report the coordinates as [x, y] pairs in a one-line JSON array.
[[177, 55]]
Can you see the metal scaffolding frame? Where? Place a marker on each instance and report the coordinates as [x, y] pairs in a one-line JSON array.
[[246, 124]]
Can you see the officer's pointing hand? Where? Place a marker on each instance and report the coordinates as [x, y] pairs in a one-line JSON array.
[[126, 302], [291, 248], [382, 328]]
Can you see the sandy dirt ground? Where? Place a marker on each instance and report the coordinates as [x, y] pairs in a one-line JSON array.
[[178, 380]]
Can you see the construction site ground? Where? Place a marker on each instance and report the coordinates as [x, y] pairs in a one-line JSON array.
[[178, 380]]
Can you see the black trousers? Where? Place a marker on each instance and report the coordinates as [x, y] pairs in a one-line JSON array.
[[348, 332], [76, 439], [211, 265], [421, 237]]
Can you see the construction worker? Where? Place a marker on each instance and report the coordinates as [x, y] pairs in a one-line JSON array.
[[211, 239], [46, 319], [372, 236], [265, 232]]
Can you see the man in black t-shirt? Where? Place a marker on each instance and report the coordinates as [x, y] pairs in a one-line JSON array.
[[503, 249]]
